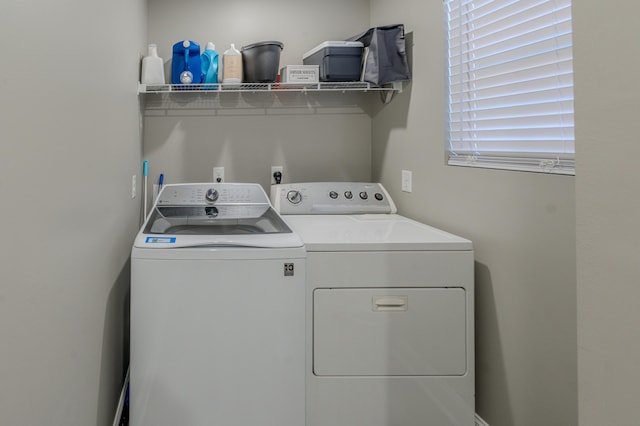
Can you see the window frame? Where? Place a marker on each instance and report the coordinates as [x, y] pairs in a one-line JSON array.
[[535, 155]]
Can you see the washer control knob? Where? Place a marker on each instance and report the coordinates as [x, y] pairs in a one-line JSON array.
[[333, 195], [211, 195], [294, 196], [364, 195], [379, 196], [348, 195]]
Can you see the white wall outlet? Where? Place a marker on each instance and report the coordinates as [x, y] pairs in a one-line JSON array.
[[406, 181], [218, 174], [134, 186], [274, 170]]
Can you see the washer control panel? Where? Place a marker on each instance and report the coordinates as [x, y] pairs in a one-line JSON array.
[[331, 198], [199, 194]]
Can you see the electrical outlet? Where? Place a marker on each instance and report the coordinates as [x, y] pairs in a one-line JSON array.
[[406, 181], [218, 174], [274, 170], [134, 186]]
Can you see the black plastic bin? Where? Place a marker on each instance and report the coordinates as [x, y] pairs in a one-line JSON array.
[[261, 61]]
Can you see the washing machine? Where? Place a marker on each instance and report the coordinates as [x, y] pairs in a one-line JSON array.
[[217, 311], [390, 325]]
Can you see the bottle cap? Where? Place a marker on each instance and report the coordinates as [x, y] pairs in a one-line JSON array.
[[210, 46]]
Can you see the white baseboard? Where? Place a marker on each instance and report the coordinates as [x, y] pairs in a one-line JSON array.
[[480, 422]]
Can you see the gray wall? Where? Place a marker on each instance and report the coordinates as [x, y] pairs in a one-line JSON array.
[[522, 226], [69, 144], [607, 60], [315, 137]]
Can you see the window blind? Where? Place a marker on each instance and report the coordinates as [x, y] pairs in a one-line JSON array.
[[511, 84]]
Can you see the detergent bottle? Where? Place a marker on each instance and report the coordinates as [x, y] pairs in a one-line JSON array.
[[185, 64], [232, 66], [209, 60], [152, 67]]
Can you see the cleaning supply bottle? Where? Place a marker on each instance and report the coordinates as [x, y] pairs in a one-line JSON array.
[[232, 66], [209, 60], [152, 67], [185, 64]]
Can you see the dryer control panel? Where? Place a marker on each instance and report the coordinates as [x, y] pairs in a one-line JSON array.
[[331, 198]]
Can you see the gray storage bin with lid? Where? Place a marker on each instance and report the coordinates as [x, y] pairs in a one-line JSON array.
[[338, 60]]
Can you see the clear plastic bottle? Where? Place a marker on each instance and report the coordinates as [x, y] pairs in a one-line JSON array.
[[152, 67], [232, 66]]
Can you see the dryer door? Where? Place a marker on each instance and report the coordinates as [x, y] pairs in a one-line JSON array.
[[389, 332]]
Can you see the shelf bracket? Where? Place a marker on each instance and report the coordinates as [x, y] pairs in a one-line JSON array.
[[387, 95]]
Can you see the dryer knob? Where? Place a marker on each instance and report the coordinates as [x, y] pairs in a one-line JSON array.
[[333, 195], [364, 195], [294, 197], [211, 195], [348, 195], [379, 196]]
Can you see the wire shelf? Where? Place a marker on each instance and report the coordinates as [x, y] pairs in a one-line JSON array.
[[359, 86]]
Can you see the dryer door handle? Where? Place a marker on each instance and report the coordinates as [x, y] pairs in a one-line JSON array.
[[384, 303]]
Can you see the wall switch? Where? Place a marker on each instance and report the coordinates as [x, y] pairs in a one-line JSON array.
[[218, 174], [406, 181], [134, 186], [275, 177]]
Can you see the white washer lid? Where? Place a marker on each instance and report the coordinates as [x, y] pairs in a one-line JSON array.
[[372, 232]]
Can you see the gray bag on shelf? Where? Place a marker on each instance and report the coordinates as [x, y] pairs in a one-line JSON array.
[[385, 56]]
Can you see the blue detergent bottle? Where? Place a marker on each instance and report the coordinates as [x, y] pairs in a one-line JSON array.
[[209, 60], [185, 64]]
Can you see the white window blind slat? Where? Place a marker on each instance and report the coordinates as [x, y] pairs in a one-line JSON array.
[[528, 110], [511, 92], [505, 14], [473, 60], [501, 75], [537, 98], [511, 84], [506, 41], [513, 15], [510, 123], [553, 58]]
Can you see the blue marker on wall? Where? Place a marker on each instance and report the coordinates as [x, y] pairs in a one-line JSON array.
[[160, 181]]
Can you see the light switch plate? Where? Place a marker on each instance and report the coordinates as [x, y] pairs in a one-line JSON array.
[[406, 181]]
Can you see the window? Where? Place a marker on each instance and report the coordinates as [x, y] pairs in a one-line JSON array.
[[511, 85]]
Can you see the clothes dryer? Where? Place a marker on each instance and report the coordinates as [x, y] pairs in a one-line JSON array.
[[390, 327]]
